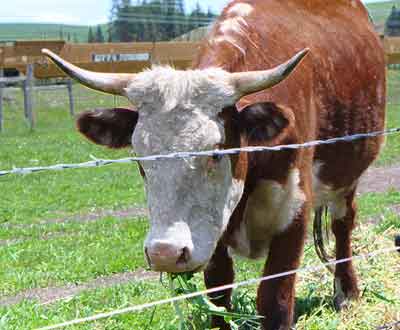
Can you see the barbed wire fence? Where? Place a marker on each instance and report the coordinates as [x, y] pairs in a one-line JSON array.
[[208, 153], [222, 288]]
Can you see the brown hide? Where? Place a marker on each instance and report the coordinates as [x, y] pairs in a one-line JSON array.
[[338, 89]]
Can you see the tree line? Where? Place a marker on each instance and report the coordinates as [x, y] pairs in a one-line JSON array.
[[149, 20]]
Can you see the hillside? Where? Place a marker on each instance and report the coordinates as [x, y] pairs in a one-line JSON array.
[[380, 10], [28, 31]]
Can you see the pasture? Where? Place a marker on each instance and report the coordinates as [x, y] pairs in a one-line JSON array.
[[71, 241], [37, 31]]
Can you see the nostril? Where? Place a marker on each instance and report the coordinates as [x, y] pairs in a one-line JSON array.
[[167, 257], [184, 257]]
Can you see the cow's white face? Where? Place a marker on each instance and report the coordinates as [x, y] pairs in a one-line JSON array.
[[190, 200]]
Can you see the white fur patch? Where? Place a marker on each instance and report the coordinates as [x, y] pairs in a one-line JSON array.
[[270, 209], [163, 88], [230, 40], [324, 195], [241, 9], [233, 25]]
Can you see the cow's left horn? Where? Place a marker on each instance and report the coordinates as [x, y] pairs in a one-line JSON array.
[[112, 83], [254, 81]]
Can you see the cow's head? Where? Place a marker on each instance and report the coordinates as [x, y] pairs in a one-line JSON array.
[[191, 200]]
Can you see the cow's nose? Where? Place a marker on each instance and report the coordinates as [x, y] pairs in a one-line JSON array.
[[168, 257]]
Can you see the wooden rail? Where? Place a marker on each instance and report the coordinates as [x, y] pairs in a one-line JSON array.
[[105, 57], [119, 57]]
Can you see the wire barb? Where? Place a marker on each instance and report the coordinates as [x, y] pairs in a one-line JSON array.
[[184, 155]]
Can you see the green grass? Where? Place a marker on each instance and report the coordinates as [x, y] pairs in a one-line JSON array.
[[43, 31], [73, 254], [378, 305], [34, 197], [56, 254]]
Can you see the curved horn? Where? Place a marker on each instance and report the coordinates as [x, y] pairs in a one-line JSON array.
[[255, 81], [112, 83]]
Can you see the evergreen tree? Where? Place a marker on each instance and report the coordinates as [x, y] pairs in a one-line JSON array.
[[112, 20], [91, 37], [110, 31], [76, 40], [122, 24], [153, 20], [99, 34], [195, 17], [61, 33]]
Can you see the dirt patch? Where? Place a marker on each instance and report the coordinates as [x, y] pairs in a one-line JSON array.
[[45, 296], [133, 212], [9, 242], [380, 180], [396, 209]]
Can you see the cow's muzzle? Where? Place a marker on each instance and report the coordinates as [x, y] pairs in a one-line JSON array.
[[169, 257]]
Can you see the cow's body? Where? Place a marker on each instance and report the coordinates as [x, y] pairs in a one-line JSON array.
[[258, 204], [339, 90]]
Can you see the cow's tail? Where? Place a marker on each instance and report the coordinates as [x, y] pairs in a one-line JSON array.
[[321, 228]]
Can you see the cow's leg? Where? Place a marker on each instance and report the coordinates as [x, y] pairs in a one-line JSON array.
[[343, 222], [275, 299], [220, 272]]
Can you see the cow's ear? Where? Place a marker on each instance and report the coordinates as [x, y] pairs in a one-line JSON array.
[[267, 122], [108, 127]]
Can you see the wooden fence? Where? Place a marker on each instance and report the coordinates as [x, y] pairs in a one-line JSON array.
[[26, 57], [105, 57]]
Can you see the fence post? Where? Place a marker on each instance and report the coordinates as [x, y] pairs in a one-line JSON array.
[[1, 100], [71, 98], [28, 100]]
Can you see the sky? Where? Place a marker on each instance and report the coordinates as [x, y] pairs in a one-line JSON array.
[[78, 12]]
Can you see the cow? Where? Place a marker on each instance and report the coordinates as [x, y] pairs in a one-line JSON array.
[[243, 92]]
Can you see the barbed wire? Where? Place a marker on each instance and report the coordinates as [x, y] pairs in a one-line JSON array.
[[310, 269], [184, 155]]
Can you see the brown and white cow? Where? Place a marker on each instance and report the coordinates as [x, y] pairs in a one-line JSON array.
[[253, 204]]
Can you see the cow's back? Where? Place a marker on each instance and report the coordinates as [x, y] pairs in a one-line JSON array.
[[340, 87]]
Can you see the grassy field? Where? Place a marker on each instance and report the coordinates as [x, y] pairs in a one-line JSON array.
[[36, 31], [46, 240]]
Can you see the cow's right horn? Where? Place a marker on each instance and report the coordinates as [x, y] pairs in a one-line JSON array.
[[254, 81], [112, 83]]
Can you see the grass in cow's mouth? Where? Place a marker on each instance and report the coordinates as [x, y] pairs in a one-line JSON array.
[[200, 309]]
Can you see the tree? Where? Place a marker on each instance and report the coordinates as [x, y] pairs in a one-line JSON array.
[[99, 34], [153, 20], [61, 33], [91, 37], [76, 40]]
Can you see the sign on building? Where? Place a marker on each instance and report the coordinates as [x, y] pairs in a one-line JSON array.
[[120, 57]]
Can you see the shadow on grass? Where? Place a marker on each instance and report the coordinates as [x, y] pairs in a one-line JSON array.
[[312, 305]]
